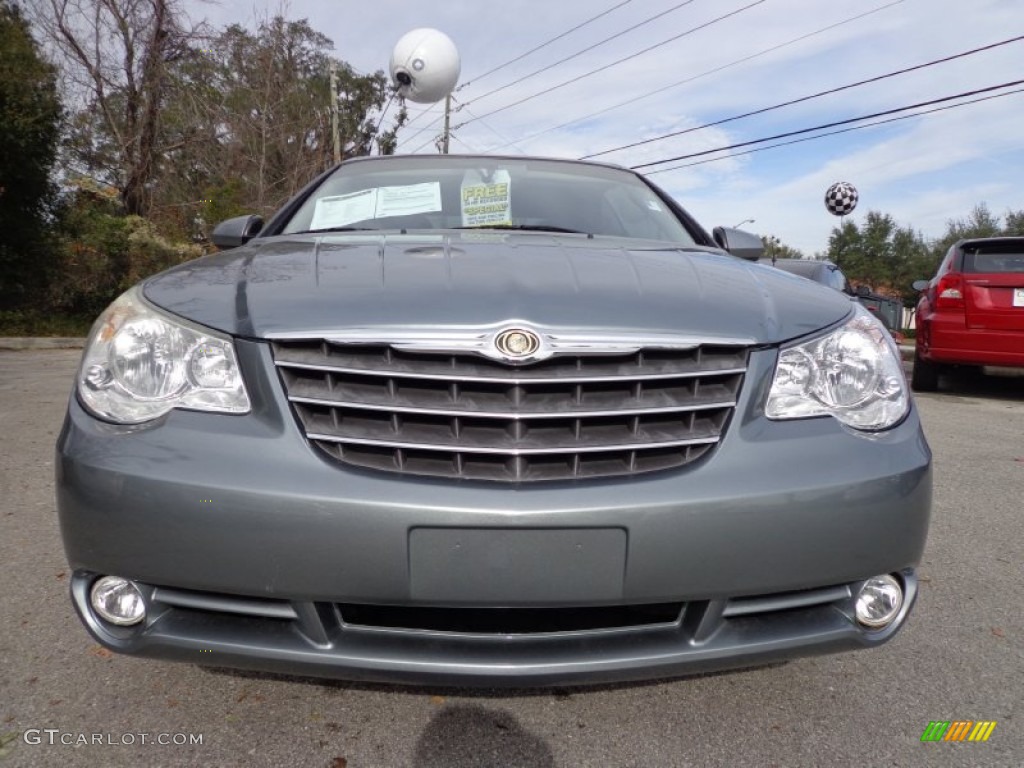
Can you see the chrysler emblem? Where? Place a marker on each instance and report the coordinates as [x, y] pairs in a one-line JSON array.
[[517, 342]]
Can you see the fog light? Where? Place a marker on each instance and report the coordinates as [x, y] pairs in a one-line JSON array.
[[118, 601], [878, 601]]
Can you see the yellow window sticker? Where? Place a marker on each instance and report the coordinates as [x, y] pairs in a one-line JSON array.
[[487, 202]]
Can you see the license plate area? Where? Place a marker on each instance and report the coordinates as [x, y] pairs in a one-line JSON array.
[[542, 566], [1018, 297]]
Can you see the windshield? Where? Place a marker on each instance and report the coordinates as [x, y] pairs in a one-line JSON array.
[[444, 192]]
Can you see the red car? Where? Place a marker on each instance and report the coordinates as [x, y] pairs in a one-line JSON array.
[[972, 312]]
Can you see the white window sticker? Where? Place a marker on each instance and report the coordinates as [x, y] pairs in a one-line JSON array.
[[414, 198], [342, 210], [487, 202]]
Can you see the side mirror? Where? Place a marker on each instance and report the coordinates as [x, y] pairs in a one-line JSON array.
[[863, 290], [739, 243], [237, 231], [920, 285]]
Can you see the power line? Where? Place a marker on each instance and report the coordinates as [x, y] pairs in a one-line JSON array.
[[819, 94], [418, 113], [492, 129], [437, 116], [676, 84], [833, 124], [471, 148], [615, 63], [545, 44], [461, 106], [585, 50], [425, 144], [834, 133], [524, 55]]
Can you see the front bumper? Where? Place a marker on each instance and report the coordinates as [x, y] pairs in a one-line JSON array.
[[312, 638], [232, 510]]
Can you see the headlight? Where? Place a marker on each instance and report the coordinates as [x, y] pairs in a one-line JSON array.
[[139, 364], [853, 373]]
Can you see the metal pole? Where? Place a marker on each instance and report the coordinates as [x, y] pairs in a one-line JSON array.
[[447, 123], [842, 239], [334, 112]]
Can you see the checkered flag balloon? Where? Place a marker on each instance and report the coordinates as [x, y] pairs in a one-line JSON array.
[[841, 198]]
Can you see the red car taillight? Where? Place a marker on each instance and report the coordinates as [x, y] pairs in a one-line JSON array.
[[949, 293]]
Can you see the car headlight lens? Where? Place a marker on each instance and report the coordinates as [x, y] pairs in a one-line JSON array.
[[139, 364], [853, 373]]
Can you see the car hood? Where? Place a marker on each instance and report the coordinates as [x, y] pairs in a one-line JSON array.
[[320, 283]]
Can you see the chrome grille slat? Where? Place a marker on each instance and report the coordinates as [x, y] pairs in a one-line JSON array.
[[520, 378], [559, 450], [463, 416], [650, 364], [518, 415]]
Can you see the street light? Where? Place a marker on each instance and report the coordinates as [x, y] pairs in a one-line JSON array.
[[745, 221]]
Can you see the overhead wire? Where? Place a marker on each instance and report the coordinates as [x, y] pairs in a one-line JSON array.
[[584, 50], [527, 53], [690, 79], [464, 143], [493, 130], [809, 97], [433, 139], [617, 62], [425, 144], [836, 132], [426, 127], [543, 45], [824, 126]]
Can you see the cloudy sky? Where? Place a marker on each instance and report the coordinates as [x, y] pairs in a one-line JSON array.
[[710, 60]]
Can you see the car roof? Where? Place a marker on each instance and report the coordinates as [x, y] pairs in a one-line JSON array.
[[973, 242], [484, 156]]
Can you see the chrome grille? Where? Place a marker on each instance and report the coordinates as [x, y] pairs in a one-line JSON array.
[[466, 416]]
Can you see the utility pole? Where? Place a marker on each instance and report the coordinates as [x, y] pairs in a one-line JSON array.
[[334, 112], [447, 123], [841, 240]]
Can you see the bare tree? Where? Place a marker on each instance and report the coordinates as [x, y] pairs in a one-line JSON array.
[[115, 56], [191, 126], [260, 101]]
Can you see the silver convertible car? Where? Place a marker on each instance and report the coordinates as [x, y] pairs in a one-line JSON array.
[[489, 421]]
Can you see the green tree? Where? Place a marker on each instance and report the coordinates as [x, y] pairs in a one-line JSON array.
[[776, 249], [979, 223], [30, 116], [843, 244], [103, 252], [882, 255], [1014, 223]]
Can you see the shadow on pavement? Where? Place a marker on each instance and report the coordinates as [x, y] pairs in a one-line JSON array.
[[997, 385], [470, 735]]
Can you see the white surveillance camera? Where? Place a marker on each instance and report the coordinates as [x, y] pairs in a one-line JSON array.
[[425, 65]]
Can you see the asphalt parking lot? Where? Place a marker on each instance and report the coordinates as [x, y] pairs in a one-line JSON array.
[[961, 657]]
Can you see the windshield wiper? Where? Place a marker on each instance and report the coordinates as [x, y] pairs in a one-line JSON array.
[[337, 229], [530, 228]]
